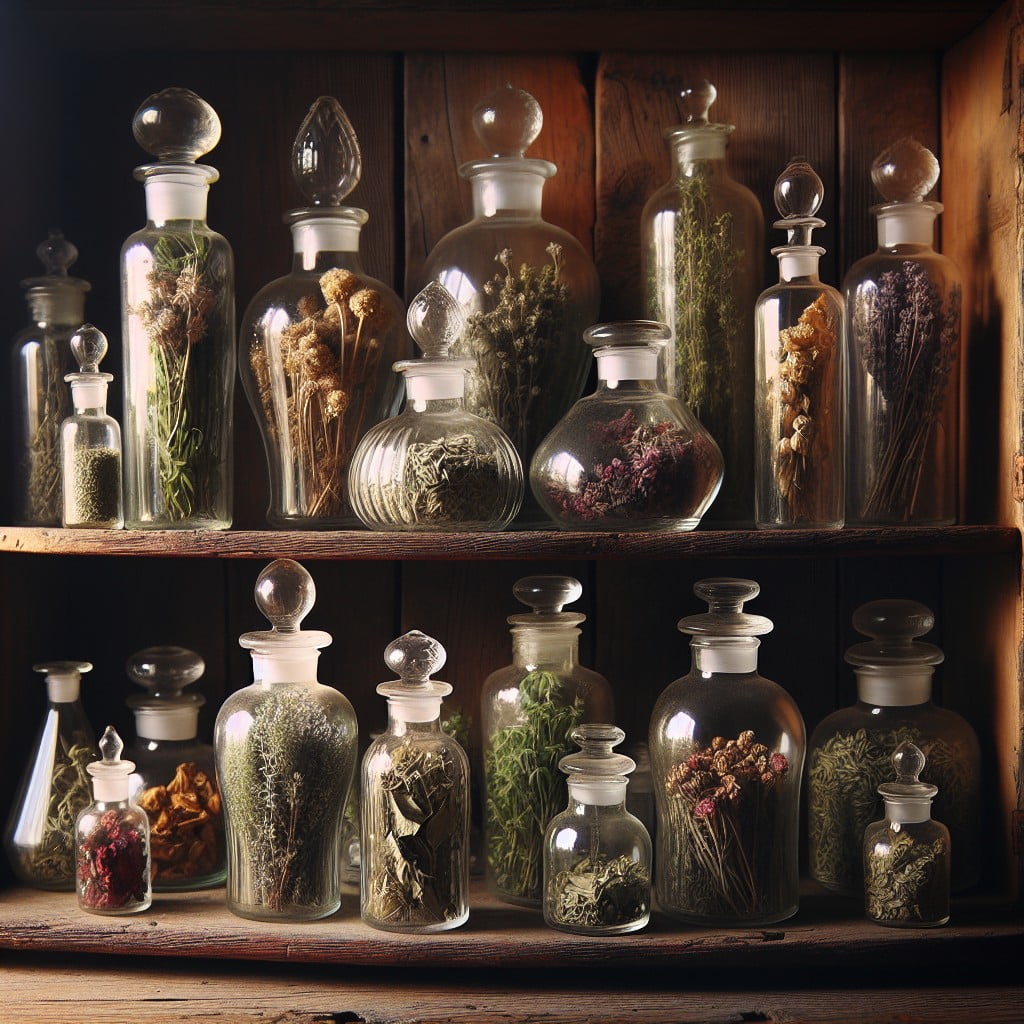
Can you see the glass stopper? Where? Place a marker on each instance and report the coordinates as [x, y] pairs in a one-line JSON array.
[[905, 172], [63, 668], [112, 766], [595, 756], [725, 596], [697, 102], [176, 125], [908, 761], [285, 594], [435, 320], [111, 745], [326, 161], [507, 121], [798, 190], [89, 346], [895, 620], [623, 333], [165, 670], [56, 254], [546, 595], [415, 657]]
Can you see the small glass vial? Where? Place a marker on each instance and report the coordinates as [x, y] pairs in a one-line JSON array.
[[597, 856], [415, 802], [175, 778], [40, 834], [56, 303], [90, 441], [435, 466], [727, 752], [904, 304], [800, 383], [112, 839], [906, 855], [629, 456]]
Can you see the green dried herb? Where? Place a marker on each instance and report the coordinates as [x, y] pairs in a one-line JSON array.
[[906, 882], [95, 498], [598, 893], [40, 465]]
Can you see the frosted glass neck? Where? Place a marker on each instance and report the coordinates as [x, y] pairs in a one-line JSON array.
[[441, 381], [63, 689], [725, 656], [176, 196], [908, 810], [891, 687], [167, 723], [91, 394], [294, 665], [57, 305], [626, 363], [606, 793], [110, 791], [906, 223], [413, 711], [800, 261], [515, 189], [558, 646], [316, 235], [690, 146]]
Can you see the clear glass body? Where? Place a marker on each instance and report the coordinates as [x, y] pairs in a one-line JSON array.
[[112, 850], [415, 829], [286, 756], [91, 463]]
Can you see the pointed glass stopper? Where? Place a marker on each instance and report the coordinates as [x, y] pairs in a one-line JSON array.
[[326, 161], [285, 594], [111, 746], [725, 616], [112, 766], [165, 671], [435, 320], [56, 254], [908, 761], [507, 121], [415, 657], [176, 125], [697, 102], [89, 346], [905, 172], [595, 756], [546, 595]]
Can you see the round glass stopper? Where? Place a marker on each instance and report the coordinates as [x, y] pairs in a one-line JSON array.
[[547, 595], [905, 172], [165, 670], [697, 102], [176, 125], [415, 657], [798, 190], [595, 756], [326, 161], [725, 596], [908, 761], [435, 320], [507, 121], [56, 254], [89, 346], [285, 594]]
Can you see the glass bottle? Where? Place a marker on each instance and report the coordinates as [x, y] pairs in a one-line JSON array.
[[906, 325], [415, 802], [727, 752], [56, 305], [527, 288], [178, 313], [317, 345], [529, 710], [906, 855], [597, 856], [851, 749], [175, 778], [629, 456], [435, 466], [112, 838], [286, 752], [90, 441], [40, 833], [702, 235], [800, 381]]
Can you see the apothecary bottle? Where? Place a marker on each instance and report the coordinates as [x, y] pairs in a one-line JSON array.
[[702, 236], [316, 346], [286, 752], [851, 750], [904, 303], [528, 712], [436, 466], [40, 834], [629, 456], [112, 838], [800, 380], [907, 854], [175, 777], [597, 856], [90, 441], [727, 753], [178, 314], [415, 802], [56, 303], [527, 287]]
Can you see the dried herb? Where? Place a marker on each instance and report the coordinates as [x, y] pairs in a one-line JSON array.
[[113, 865], [906, 880], [95, 491], [40, 464], [598, 893]]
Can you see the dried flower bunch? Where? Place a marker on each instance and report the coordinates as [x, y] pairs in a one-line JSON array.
[[112, 868], [906, 881], [597, 892]]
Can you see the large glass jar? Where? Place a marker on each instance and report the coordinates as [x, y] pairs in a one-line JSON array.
[[851, 749], [286, 752], [56, 304], [800, 379], [415, 802], [529, 710], [40, 833], [906, 324], [527, 288], [629, 456], [702, 235], [727, 753], [316, 346], [175, 777], [178, 313]]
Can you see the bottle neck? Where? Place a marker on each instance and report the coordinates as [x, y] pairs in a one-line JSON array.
[[606, 794], [507, 191], [902, 224], [286, 666], [699, 153], [907, 811], [89, 398], [800, 263], [428, 386], [176, 197], [725, 655], [420, 715], [556, 648], [626, 367], [56, 305], [323, 243], [889, 686], [167, 724]]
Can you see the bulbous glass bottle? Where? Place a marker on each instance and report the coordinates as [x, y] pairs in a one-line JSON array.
[[178, 314], [286, 752], [904, 304], [629, 456], [415, 802], [851, 750], [316, 346], [528, 712], [702, 235], [727, 753], [527, 287], [800, 383]]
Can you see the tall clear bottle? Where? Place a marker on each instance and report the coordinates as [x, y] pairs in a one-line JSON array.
[[702, 236], [178, 313], [316, 346], [727, 753], [56, 303], [415, 802], [286, 752], [906, 325], [800, 380], [528, 712]]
